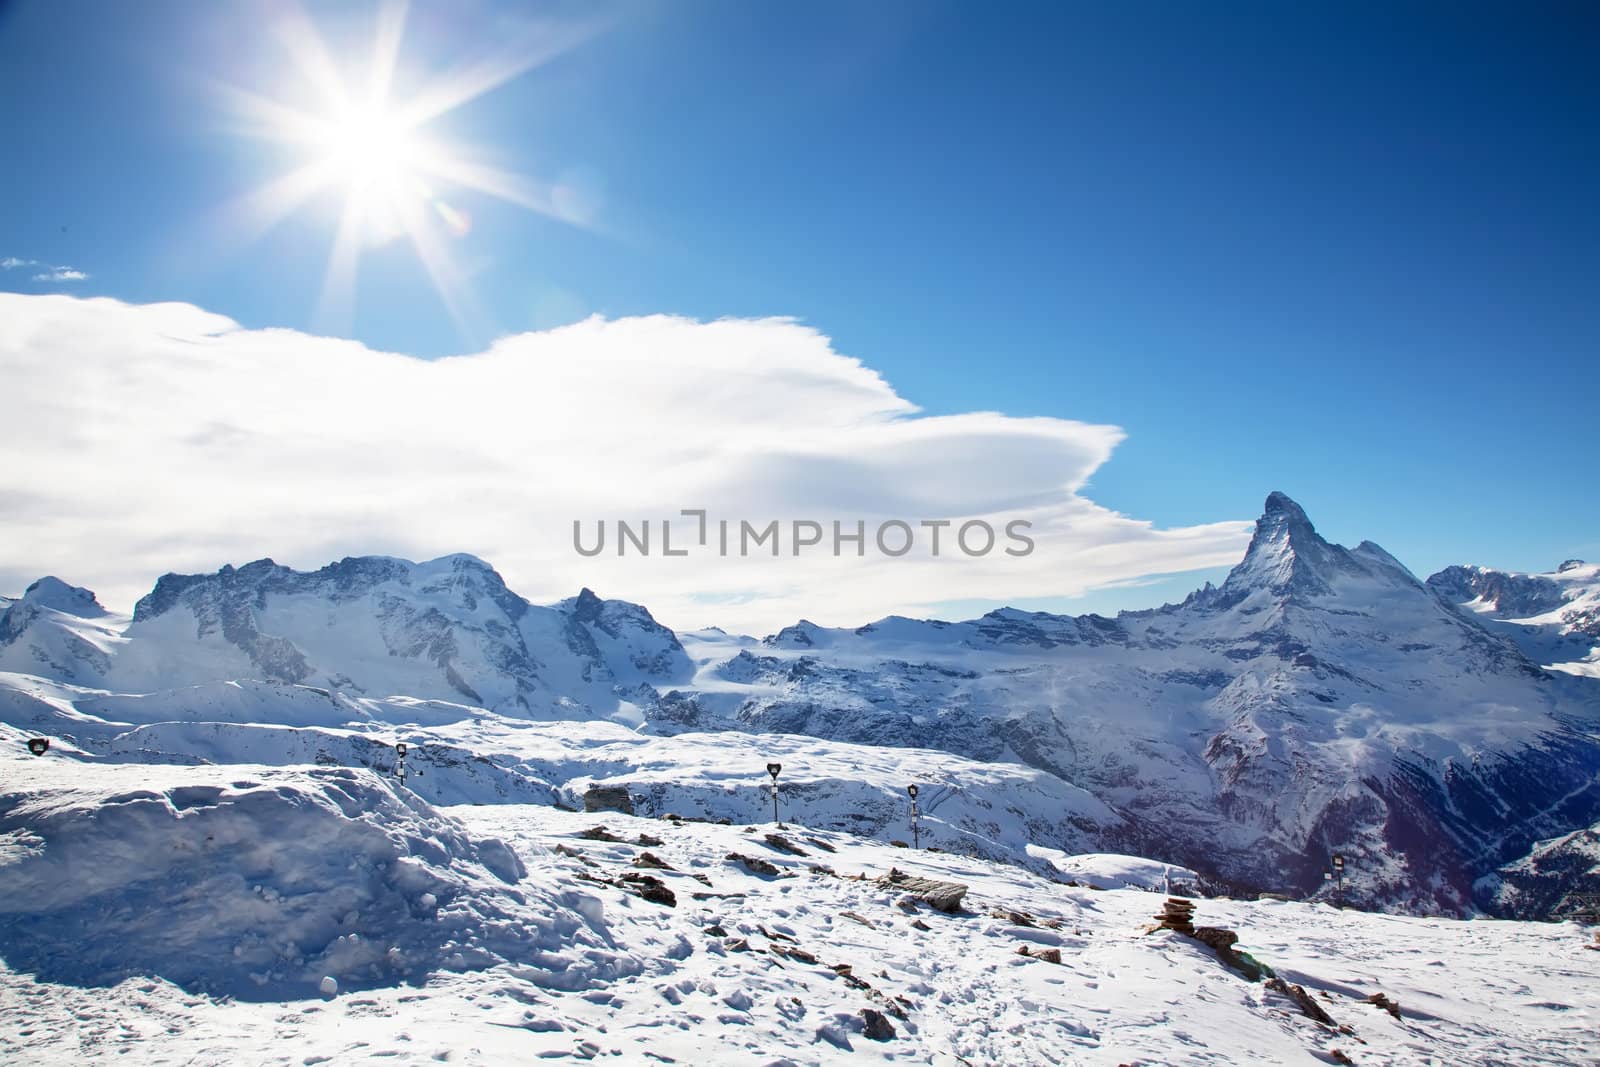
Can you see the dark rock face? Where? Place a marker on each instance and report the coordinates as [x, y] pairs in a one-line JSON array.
[[1557, 879], [1519, 595]]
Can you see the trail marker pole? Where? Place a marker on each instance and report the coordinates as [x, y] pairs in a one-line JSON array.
[[1338, 867], [773, 769], [400, 762], [915, 838], [38, 745]]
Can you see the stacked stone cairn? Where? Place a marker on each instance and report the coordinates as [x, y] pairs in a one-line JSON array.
[[1177, 914]]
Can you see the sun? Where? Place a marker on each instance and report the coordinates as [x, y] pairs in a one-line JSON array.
[[378, 150], [372, 151]]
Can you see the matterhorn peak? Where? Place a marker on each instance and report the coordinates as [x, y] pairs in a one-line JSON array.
[[1287, 557]]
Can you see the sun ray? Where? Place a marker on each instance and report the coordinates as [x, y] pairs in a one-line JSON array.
[[373, 149]]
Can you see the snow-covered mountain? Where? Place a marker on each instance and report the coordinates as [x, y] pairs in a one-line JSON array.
[[1321, 700], [448, 629], [1554, 617]]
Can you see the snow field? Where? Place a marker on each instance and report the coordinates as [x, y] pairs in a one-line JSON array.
[[571, 963]]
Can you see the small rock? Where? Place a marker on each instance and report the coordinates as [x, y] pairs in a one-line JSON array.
[[1015, 918], [897, 843], [652, 861], [783, 844], [918, 924], [1306, 1002], [650, 842], [1339, 1057], [1379, 1000], [876, 1025], [823, 845], [753, 864], [575, 854], [716, 930], [651, 888], [330, 986], [736, 944], [598, 833], [857, 918]]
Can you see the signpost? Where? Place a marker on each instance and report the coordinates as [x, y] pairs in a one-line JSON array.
[[38, 745], [400, 762], [915, 841], [773, 769], [1338, 870]]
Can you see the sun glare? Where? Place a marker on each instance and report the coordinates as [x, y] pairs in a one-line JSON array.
[[362, 142], [370, 148]]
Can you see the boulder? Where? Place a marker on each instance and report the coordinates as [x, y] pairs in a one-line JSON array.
[[608, 798], [940, 896]]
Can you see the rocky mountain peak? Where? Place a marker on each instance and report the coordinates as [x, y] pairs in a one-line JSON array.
[[51, 592]]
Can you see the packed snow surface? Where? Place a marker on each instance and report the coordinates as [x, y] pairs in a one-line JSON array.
[[552, 953]]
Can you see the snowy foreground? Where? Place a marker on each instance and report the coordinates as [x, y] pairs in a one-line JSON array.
[[501, 934]]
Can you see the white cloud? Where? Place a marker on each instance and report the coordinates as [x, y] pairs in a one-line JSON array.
[[162, 437], [60, 274], [48, 274]]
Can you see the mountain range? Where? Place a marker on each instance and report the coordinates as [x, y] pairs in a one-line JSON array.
[[1320, 701]]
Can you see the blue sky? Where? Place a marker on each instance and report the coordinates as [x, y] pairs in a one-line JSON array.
[[1347, 251]]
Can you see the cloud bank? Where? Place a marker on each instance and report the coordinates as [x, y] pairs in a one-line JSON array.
[[162, 437]]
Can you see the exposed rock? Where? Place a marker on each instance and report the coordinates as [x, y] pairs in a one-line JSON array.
[[1015, 918], [1379, 1000], [598, 833], [1304, 1000], [754, 864], [650, 888], [652, 861], [941, 896], [1217, 937], [783, 844], [1049, 955], [564, 850], [876, 1026], [608, 798], [716, 930], [823, 845], [857, 918], [649, 842], [791, 952]]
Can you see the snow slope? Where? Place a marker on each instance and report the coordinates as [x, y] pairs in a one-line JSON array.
[[571, 962]]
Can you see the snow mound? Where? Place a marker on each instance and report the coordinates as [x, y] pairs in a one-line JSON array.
[[1110, 870], [258, 883]]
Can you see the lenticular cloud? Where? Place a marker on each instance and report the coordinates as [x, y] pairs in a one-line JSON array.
[[162, 437]]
